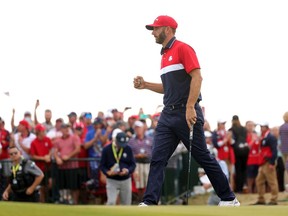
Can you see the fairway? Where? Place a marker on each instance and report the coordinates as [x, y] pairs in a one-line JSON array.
[[25, 209]]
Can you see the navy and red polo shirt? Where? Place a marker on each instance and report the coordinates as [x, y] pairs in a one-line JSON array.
[[178, 60]]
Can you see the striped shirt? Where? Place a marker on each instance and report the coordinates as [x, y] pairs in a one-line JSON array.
[[284, 138]]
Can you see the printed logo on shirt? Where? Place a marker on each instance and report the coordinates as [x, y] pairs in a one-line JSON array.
[[170, 58], [124, 155]]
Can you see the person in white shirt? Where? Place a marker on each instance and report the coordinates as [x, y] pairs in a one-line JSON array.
[[23, 138]]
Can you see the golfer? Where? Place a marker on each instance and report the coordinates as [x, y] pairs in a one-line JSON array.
[[181, 83]]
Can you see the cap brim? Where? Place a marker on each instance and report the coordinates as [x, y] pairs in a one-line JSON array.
[[149, 27], [122, 145]]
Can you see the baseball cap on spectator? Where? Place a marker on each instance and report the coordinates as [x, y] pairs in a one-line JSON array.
[[88, 115], [221, 121], [115, 132], [27, 113], [122, 139], [71, 114], [109, 115], [264, 124], [134, 117], [39, 127], [78, 125], [138, 124], [114, 110], [64, 125], [119, 124], [163, 20], [98, 121], [156, 116], [207, 134], [59, 120], [25, 124]]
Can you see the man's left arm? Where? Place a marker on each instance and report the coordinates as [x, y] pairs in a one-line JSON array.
[[195, 87], [33, 169], [274, 150]]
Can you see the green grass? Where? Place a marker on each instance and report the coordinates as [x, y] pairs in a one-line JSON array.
[[27, 209]]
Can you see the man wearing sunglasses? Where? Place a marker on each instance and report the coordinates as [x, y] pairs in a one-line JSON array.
[[24, 178]]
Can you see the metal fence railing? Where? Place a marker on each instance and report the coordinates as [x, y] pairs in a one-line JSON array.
[[92, 188]]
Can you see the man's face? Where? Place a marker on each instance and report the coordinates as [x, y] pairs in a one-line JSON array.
[[72, 119], [159, 34], [21, 128], [14, 154], [48, 115], [65, 131], [139, 131]]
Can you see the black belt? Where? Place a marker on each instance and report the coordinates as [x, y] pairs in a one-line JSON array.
[[175, 106]]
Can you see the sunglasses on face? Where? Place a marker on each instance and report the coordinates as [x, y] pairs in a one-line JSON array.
[[13, 153]]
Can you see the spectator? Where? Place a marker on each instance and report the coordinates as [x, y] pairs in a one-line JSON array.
[[280, 166], [117, 163], [95, 140], [206, 126], [4, 155], [4, 140], [66, 148], [87, 119], [141, 146], [253, 156], [267, 169], [222, 141], [83, 167], [55, 132], [72, 118], [131, 120], [24, 178], [40, 151], [47, 115], [23, 138], [283, 131], [241, 151], [27, 117], [154, 121], [117, 116]]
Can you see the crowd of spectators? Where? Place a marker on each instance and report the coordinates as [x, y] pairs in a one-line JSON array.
[[71, 152]]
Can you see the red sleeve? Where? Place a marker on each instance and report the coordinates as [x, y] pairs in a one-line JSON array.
[[49, 143], [6, 141], [188, 58]]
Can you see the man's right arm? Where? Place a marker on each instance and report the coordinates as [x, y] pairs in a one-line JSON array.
[[140, 83], [5, 194]]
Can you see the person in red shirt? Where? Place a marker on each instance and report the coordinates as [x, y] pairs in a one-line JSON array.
[[4, 140], [40, 151], [222, 141], [79, 129], [4, 155], [253, 157]]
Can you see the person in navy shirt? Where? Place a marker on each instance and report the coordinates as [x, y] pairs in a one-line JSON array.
[[118, 163], [181, 83]]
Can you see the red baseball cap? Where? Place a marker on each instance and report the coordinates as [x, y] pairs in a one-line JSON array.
[[25, 124], [39, 127], [78, 125], [163, 20]]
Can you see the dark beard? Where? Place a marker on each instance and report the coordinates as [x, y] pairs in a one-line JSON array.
[[161, 38]]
